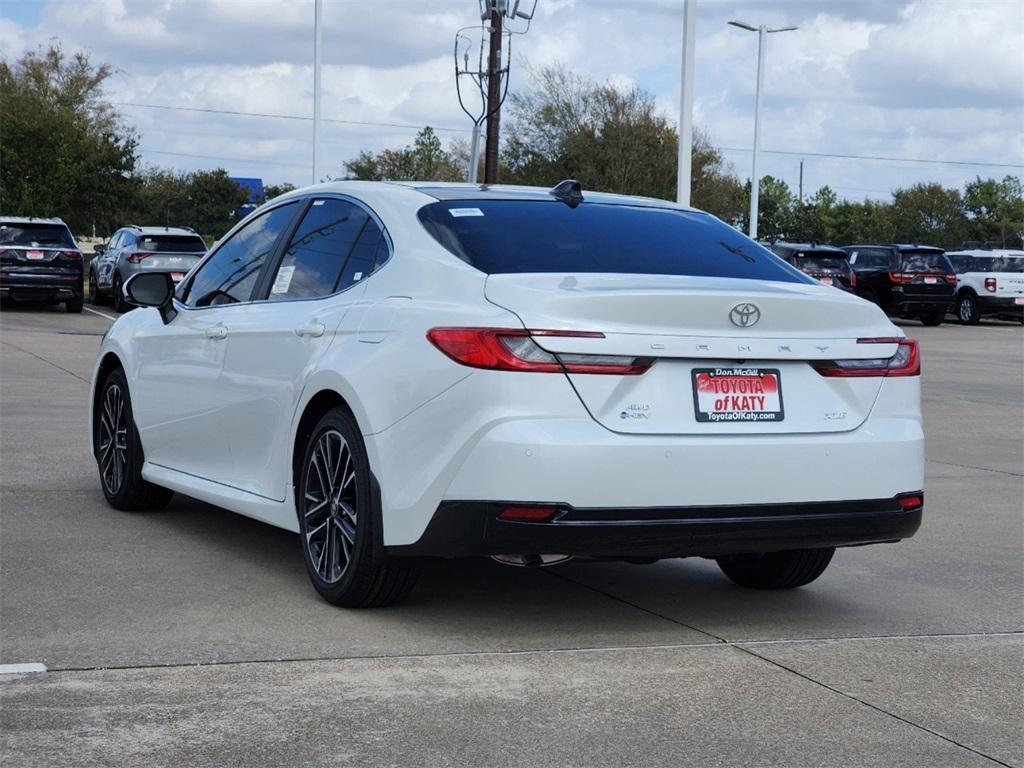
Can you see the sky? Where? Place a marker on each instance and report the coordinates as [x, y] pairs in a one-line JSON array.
[[938, 80]]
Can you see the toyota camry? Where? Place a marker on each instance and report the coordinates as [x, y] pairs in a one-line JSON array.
[[400, 371]]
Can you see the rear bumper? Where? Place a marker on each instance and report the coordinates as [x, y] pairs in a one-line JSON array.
[[918, 304], [41, 286], [466, 528], [999, 305]]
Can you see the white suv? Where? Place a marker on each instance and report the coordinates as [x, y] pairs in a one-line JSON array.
[[988, 282]]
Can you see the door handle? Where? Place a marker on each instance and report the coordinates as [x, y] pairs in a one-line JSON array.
[[314, 329], [217, 332]]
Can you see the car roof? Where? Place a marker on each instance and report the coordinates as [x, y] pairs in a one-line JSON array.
[[440, 190], [31, 220], [898, 246], [810, 247], [989, 253], [187, 231]]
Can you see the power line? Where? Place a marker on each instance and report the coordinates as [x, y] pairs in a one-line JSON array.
[[869, 157], [217, 157], [285, 117]]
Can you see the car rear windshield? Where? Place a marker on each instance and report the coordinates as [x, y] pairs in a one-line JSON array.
[[822, 263], [997, 264], [926, 262], [36, 234], [171, 244], [520, 236]]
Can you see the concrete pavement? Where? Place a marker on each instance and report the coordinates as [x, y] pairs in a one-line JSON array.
[[191, 636]]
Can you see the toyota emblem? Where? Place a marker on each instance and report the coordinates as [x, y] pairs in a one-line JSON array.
[[744, 315]]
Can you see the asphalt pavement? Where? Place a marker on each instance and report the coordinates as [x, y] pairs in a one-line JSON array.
[[191, 637]]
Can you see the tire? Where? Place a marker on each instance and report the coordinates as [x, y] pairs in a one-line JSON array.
[[120, 305], [777, 570], [967, 309], [74, 306], [339, 518], [933, 319], [94, 291], [121, 470]]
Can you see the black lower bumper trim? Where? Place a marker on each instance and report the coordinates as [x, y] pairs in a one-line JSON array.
[[473, 528]]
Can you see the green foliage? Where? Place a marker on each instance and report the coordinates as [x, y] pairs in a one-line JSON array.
[[270, 191], [995, 210], [425, 160], [65, 152], [203, 200], [610, 139]]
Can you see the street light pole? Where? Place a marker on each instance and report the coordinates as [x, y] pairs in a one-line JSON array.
[[755, 179], [685, 166], [318, 10]]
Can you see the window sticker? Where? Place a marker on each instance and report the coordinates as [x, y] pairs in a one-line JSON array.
[[357, 276], [283, 280], [458, 212], [318, 202]]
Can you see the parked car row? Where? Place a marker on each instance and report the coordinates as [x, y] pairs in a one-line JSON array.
[[918, 281]]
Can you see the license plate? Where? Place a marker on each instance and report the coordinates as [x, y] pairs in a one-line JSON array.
[[737, 394], [34, 255], [931, 280], [176, 276], [1019, 300], [826, 280]]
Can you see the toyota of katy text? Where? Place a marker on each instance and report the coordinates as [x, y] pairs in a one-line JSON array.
[[399, 371], [988, 282], [915, 281], [40, 261]]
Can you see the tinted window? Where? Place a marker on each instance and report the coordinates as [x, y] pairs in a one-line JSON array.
[[820, 263], [172, 243], [961, 263], [54, 235], [229, 275], [926, 262], [502, 236], [999, 264], [872, 258], [370, 250], [319, 250]]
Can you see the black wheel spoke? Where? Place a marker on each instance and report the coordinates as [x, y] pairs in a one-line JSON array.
[[113, 439], [329, 506]]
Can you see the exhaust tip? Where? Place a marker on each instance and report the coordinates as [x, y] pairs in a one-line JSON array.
[[531, 561]]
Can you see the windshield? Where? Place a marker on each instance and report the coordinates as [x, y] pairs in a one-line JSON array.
[[926, 262], [523, 236], [172, 244], [52, 235], [821, 263]]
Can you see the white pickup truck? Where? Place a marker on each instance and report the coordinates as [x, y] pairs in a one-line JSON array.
[[988, 282]]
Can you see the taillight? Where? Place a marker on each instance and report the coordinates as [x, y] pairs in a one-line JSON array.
[[899, 277], [71, 255], [906, 361], [524, 514], [853, 279], [990, 284], [135, 258], [951, 279], [910, 500], [513, 349]]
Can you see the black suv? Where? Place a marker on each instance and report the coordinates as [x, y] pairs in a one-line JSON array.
[[825, 263], [905, 280], [40, 261]]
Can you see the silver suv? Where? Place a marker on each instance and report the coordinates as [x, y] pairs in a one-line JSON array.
[[174, 250]]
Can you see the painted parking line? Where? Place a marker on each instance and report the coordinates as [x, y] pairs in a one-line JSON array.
[[20, 669], [101, 314]]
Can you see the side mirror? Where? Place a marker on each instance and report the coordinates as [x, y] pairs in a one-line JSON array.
[[152, 289], [99, 249]]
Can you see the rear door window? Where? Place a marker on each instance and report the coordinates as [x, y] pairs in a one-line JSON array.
[[522, 236], [317, 258]]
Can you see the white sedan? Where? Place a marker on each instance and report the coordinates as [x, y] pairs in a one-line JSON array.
[[401, 370]]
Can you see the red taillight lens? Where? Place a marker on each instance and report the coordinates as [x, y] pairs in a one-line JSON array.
[[528, 514], [853, 279], [990, 284], [906, 361], [899, 277], [71, 255], [135, 258], [513, 349], [951, 279], [910, 500]]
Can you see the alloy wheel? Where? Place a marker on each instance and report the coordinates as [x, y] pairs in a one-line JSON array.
[[113, 446], [966, 309], [329, 508]]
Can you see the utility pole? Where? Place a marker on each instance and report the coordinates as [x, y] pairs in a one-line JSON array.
[[493, 98], [801, 181], [685, 167], [755, 178], [318, 11]]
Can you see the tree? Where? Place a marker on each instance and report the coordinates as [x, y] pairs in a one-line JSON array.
[[995, 210], [270, 191], [425, 160], [610, 138], [929, 213], [65, 151], [774, 209], [203, 200]]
